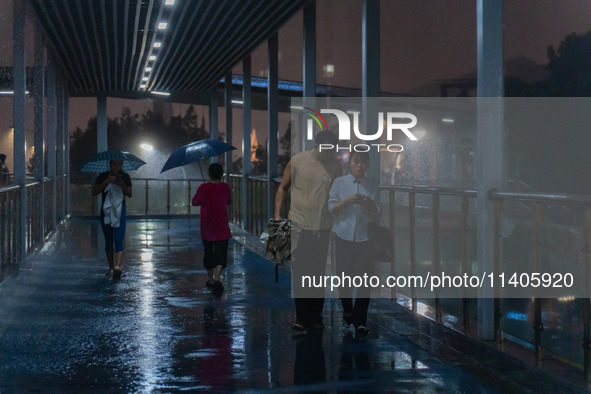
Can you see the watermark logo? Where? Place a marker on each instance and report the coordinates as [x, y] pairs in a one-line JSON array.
[[395, 121], [319, 120]]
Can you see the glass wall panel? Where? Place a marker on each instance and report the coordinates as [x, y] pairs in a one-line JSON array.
[[338, 46], [6, 85], [428, 48]]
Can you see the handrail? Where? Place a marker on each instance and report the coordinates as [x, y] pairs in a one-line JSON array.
[[9, 188], [256, 177], [431, 190], [165, 179], [145, 179], [495, 194]]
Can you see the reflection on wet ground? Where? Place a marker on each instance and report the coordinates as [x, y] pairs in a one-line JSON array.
[[64, 326]]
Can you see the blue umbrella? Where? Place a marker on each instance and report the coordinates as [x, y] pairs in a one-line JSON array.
[[100, 163], [196, 151]]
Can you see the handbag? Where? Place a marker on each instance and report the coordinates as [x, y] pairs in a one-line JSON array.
[[380, 242], [279, 240]]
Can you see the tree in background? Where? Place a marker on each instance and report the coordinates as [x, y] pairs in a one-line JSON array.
[[570, 67], [127, 131], [565, 150]]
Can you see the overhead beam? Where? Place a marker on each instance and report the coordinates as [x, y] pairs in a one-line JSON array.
[[249, 42]]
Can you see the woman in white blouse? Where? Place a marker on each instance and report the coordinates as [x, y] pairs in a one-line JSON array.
[[352, 205]]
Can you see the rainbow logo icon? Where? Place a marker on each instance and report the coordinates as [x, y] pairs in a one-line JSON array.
[[317, 117]]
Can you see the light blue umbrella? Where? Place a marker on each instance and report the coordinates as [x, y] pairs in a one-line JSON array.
[[100, 163], [196, 151]]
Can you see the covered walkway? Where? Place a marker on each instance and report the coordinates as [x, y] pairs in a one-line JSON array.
[[65, 327]]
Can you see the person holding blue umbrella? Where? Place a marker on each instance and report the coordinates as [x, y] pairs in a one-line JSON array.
[[114, 185], [213, 198], [194, 152]]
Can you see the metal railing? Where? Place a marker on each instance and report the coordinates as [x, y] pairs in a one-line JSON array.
[[9, 229], [47, 185], [256, 208], [434, 229], [235, 212], [164, 196], [34, 230], [151, 196], [416, 214], [60, 208], [256, 202], [543, 310]]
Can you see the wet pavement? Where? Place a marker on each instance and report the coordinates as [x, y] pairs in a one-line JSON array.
[[65, 327]]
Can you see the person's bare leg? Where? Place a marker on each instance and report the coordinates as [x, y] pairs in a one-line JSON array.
[[117, 269], [217, 284], [210, 275], [118, 258], [110, 259], [218, 273]]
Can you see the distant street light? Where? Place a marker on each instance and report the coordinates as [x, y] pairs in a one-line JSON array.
[[419, 133], [147, 147]]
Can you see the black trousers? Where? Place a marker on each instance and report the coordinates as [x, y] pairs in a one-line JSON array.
[[309, 259], [216, 253], [353, 259]]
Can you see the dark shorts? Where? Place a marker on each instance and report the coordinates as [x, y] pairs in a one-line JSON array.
[[216, 253], [114, 236]]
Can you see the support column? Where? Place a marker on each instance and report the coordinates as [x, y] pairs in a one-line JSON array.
[[228, 106], [19, 88], [101, 130], [101, 123], [67, 149], [371, 77], [213, 119], [51, 131], [38, 125], [246, 108], [59, 142], [309, 74], [273, 110], [489, 152]]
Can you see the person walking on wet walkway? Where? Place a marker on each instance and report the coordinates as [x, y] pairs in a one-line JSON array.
[[309, 175], [352, 205], [213, 197], [114, 185]]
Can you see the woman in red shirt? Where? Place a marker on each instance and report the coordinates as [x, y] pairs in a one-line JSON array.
[[213, 197]]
